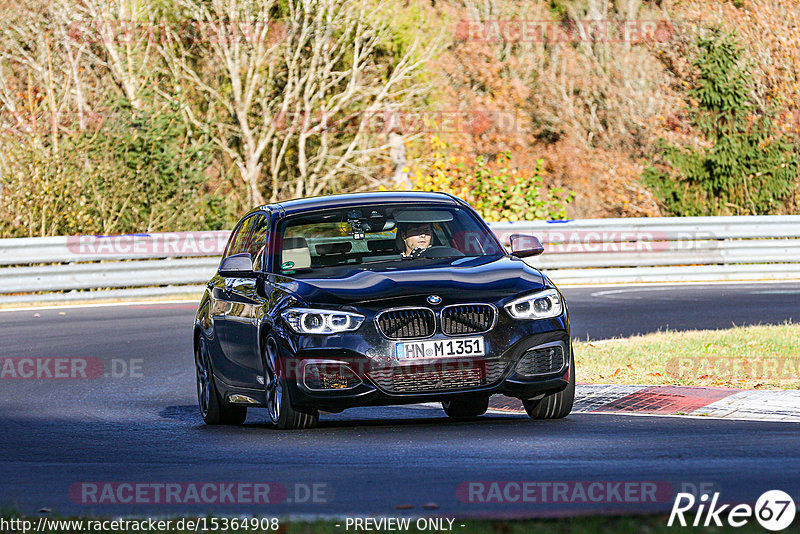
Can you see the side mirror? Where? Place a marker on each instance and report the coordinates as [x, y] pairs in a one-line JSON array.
[[523, 246], [237, 266]]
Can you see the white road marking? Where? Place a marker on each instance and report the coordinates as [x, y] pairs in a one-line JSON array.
[[630, 290], [711, 283], [99, 305]]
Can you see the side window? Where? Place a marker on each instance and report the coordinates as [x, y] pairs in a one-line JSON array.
[[258, 241], [238, 243], [231, 241]]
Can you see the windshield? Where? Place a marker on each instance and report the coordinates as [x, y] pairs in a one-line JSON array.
[[376, 234]]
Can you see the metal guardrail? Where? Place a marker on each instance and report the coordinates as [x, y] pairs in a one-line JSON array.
[[665, 249], [576, 252]]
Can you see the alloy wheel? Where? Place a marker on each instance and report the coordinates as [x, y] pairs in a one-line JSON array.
[[274, 381], [203, 377]]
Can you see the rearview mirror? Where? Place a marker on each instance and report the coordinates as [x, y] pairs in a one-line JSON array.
[[523, 246], [422, 216], [237, 266]]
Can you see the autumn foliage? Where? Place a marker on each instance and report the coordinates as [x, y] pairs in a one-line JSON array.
[[528, 110], [594, 109]]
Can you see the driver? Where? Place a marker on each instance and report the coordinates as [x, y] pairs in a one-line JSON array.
[[414, 237]]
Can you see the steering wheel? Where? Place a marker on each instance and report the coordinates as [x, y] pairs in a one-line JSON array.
[[441, 252]]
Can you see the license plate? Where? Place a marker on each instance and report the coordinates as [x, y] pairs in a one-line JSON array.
[[440, 348]]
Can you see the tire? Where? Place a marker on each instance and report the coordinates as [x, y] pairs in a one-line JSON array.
[[465, 407], [279, 406], [555, 405], [212, 409]]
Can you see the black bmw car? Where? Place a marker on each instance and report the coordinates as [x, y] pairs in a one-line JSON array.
[[327, 303]]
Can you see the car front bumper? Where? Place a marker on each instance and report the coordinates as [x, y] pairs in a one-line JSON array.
[[382, 380]]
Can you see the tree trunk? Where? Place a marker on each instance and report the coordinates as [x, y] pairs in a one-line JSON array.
[[250, 175], [397, 151]]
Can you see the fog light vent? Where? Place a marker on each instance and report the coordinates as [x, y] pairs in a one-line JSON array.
[[541, 361], [329, 375]]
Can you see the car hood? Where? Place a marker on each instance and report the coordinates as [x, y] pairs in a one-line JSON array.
[[454, 279]]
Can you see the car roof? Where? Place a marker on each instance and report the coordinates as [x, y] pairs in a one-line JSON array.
[[299, 205]]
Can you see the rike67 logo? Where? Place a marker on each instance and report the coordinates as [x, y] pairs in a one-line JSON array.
[[774, 510]]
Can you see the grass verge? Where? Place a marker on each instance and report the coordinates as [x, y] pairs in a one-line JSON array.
[[597, 524], [751, 357], [191, 297]]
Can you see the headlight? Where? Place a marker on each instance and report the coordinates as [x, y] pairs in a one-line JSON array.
[[308, 321], [539, 305]]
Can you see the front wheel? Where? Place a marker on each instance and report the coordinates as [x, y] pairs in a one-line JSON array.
[[466, 407], [279, 406], [555, 405], [212, 409]]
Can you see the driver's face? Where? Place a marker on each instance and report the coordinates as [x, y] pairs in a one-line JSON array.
[[417, 236]]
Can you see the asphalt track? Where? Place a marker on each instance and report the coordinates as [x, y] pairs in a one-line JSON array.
[[143, 427]]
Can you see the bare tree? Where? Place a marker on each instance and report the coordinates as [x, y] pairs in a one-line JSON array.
[[292, 96], [118, 35], [61, 64]]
